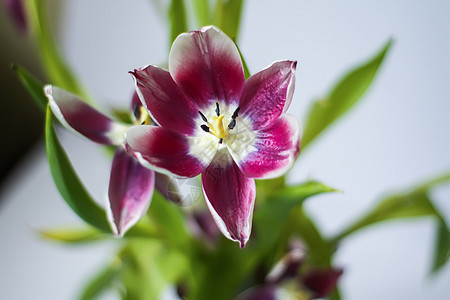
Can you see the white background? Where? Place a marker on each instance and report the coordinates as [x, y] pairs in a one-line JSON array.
[[396, 136]]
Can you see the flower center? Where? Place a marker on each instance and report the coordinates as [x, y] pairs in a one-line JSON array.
[[215, 127]]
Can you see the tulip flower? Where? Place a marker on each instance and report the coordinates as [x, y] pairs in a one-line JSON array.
[[131, 184], [214, 123]]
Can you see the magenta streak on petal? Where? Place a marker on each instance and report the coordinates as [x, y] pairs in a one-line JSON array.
[[80, 116], [17, 12], [163, 150], [267, 93], [277, 146], [321, 281], [207, 66], [164, 100], [230, 197], [130, 190]]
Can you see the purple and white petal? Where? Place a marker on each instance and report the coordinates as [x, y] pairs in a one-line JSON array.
[[274, 149], [268, 93], [207, 66], [168, 187], [76, 114], [167, 151], [164, 100], [230, 197], [130, 191], [321, 282]]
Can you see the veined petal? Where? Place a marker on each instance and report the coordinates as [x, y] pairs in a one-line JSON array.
[[268, 93], [166, 151], [275, 149], [76, 114], [207, 66], [164, 100], [130, 191], [230, 197]]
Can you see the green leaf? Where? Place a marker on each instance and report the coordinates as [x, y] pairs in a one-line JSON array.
[[343, 96], [409, 204], [55, 66], [68, 183], [202, 12], [227, 16], [33, 86], [442, 247], [177, 19], [244, 64], [73, 235], [102, 281]]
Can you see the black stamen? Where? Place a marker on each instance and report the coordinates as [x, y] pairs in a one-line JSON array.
[[217, 109], [232, 124], [143, 123], [220, 140], [136, 110], [205, 128], [203, 116], [236, 113]]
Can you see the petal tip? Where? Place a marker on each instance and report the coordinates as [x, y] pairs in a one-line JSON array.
[[48, 90], [294, 66]]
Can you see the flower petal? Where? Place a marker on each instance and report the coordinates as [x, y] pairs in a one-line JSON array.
[[167, 151], [167, 186], [275, 149], [230, 197], [321, 281], [207, 66], [130, 191], [75, 114], [264, 292], [164, 100], [268, 93]]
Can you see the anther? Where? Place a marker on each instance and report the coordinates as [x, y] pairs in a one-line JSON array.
[[217, 109], [205, 128], [220, 140], [203, 116], [236, 113], [232, 124]]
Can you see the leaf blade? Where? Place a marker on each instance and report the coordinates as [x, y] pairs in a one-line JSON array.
[[68, 183], [177, 19], [32, 85], [342, 97]]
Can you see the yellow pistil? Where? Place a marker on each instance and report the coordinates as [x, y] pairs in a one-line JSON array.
[[216, 127]]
